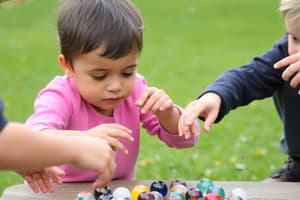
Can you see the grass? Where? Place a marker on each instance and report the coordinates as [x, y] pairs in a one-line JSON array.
[[187, 45]]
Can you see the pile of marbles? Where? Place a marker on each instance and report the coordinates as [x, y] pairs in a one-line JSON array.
[[205, 189]]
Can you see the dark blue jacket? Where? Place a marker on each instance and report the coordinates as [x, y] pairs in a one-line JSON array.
[[3, 120], [257, 80]]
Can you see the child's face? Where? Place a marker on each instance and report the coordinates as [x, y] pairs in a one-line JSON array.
[[293, 38], [103, 82]]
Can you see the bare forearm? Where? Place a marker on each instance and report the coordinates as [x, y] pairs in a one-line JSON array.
[[23, 148], [169, 120]]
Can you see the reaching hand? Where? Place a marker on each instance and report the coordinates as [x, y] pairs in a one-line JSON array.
[[95, 154], [43, 179], [207, 106], [155, 101], [292, 72], [111, 133]]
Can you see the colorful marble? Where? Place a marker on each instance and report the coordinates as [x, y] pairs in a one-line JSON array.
[[121, 193], [212, 196], [136, 190], [175, 182], [84, 195], [238, 193], [103, 193], [146, 196], [193, 194], [204, 184], [159, 186], [157, 195], [176, 196], [217, 189]]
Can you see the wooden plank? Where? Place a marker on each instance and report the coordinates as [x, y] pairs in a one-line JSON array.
[[67, 191]]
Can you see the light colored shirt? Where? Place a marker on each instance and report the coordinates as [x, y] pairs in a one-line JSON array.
[[60, 106]]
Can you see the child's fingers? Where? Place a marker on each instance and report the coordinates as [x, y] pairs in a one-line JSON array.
[[42, 182], [32, 184], [117, 145], [194, 131], [295, 80], [209, 120], [45, 183], [287, 61], [118, 127], [290, 71], [152, 97], [106, 175], [144, 96], [120, 133], [55, 174]]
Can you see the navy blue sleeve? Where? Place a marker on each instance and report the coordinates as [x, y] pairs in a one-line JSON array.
[[255, 80], [3, 120]]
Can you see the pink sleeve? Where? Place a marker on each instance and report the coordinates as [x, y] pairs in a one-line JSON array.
[[51, 110]]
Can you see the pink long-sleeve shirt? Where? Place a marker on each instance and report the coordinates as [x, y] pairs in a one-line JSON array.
[[60, 106]]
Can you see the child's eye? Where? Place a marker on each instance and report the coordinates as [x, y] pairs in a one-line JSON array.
[[294, 38], [127, 74], [99, 78]]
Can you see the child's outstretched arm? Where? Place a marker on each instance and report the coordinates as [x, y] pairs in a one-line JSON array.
[[43, 180], [41, 150], [207, 107], [292, 72], [156, 101], [109, 132]]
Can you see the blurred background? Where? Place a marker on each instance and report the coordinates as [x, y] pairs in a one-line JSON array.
[[187, 44]]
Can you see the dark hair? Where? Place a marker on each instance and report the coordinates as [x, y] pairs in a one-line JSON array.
[[85, 25]]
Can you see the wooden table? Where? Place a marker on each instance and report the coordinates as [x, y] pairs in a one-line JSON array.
[[254, 190]]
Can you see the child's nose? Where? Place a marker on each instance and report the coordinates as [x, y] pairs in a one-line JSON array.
[[114, 85]]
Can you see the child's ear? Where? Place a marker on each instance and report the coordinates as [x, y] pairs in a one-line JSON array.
[[65, 65]]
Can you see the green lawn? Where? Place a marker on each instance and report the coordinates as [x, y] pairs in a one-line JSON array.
[[187, 45]]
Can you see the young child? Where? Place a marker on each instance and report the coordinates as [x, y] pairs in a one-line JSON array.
[[101, 41], [41, 150], [258, 80]]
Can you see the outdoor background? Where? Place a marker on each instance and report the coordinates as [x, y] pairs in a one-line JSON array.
[[187, 44]]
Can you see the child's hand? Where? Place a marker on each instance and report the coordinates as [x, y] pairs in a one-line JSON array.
[[292, 72], [111, 133], [95, 154], [155, 101], [43, 180], [207, 106]]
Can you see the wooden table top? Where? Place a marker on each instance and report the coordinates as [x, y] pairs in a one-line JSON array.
[[69, 191]]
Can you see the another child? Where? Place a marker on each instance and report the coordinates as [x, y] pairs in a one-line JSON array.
[[258, 80], [101, 41], [22, 148]]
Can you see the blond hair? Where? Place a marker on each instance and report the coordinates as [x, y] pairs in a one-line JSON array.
[[290, 10]]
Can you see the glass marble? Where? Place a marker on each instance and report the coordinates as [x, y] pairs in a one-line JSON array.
[[157, 195], [102, 191], [136, 190], [84, 195], [121, 193], [176, 196], [179, 188], [146, 196], [193, 194], [175, 182], [204, 184], [159, 186], [217, 189], [212, 196], [238, 193]]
